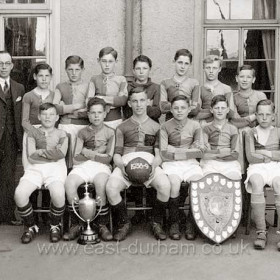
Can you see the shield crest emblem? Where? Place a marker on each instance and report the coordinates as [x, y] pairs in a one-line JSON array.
[[216, 204]]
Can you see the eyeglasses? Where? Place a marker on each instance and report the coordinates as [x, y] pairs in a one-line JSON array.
[[7, 64]]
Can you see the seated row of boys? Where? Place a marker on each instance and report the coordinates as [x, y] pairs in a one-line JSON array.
[[177, 143]]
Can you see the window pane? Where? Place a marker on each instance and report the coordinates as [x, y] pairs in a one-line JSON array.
[[25, 36], [228, 73], [22, 72], [6, 1], [241, 9], [223, 43], [264, 74], [218, 9], [264, 49]]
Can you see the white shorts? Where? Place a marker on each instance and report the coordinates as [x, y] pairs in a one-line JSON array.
[[223, 167], [114, 124], [117, 173], [268, 171], [73, 130], [89, 169], [185, 169], [46, 173]]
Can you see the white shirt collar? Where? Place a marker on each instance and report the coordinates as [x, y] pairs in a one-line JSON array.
[[2, 82]]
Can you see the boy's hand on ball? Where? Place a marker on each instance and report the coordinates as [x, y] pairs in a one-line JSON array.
[[122, 168]]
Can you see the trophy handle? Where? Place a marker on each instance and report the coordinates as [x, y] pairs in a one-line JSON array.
[[99, 203], [73, 207]]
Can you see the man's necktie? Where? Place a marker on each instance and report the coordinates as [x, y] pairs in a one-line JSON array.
[[6, 87]]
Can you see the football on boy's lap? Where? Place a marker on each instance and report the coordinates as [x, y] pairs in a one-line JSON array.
[[138, 170]]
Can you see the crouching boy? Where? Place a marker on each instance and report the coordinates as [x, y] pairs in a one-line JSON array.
[[46, 153], [262, 150], [92, 157]]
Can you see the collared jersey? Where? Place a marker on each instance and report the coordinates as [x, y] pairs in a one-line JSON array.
[[206, 95], [170, 88], [246, 106], [72, 94], [153, 94], [101, 140], [186, 140], [55, 144], [30, 110], [225, 137], [272, 144], [110, 85], [132, 136]]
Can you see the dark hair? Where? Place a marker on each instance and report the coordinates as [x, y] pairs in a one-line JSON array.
[[246, 67], [211, 58], [183, 52], [74, 59], [218, 98], [180, 97], [47, 106], [108, 50], [265, 102], [42, 66], [136, 90], [96, 101], [142, 58]]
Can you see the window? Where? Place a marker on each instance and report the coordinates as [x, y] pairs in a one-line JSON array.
[[244, 32], [28, 34]]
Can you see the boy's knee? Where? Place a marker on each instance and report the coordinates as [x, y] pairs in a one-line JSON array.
[[20, 194], [175, 189], [256, 183], [100, 187], [163, 188], [70, 185], [112, 189], [17, 195]]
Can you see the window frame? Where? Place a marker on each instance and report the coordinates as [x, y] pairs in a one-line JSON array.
[[50, 9], [202, 24], [25, 6], [244, 21]]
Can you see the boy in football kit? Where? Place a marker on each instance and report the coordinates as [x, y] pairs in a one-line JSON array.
[[46, 151], [222, 142], [262, 150], [92, 157], [137, 137], [181, 143], [212, 66], [110, 87]]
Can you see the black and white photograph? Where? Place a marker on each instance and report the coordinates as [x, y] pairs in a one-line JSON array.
[[139, 139]]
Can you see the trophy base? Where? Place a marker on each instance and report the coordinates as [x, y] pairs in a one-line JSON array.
[[89, 236], [86, 238]]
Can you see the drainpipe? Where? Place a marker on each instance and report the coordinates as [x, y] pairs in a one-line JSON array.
[[129, 39]]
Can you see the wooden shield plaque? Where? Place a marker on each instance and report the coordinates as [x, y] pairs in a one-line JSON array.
[[216, 203]]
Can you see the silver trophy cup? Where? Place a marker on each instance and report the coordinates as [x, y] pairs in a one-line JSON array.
[[87, 213]]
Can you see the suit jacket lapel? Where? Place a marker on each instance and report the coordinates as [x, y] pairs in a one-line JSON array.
[[13, 91], [2, 95]]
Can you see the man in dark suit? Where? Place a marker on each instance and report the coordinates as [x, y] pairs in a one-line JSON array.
[[11, 94]]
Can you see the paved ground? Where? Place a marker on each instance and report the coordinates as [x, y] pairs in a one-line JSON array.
[[138, 257]]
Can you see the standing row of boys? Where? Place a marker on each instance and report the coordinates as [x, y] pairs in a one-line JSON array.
[[197, 127]]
